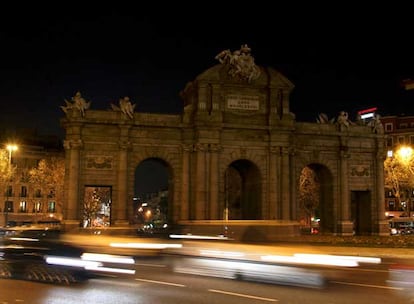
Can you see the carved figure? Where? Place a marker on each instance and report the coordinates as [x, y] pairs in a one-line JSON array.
[[125, 106], [376, 124], [241, 63], [343, 119], [323, 118], [78, 103]]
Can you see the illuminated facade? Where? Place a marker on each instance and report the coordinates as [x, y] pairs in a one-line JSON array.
[[234, 154], [399, 130], [23, 203]]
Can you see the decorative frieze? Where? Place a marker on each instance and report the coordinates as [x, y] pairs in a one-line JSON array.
[[360, 171], [99, 162]]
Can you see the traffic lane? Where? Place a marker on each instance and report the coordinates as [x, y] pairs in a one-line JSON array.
[[372, 276], [163, 287], [334, 291]]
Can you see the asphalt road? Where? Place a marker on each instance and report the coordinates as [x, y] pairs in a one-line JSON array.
[[157, 281]]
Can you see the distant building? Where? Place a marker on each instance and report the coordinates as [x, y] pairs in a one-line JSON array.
[[22, 202], [399, 130]]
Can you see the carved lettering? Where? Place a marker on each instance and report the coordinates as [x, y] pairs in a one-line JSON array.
[[243, 102]]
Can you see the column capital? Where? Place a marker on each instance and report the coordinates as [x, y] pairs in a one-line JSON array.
[[187, 147], [274, 149], [215, 148], [69, 144], [201, 147], [124, 144], [287, 151]]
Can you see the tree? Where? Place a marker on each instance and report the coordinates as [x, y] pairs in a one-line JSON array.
[[399, 175], [6, 169], [309, 193], [94, 199], [49, 177]]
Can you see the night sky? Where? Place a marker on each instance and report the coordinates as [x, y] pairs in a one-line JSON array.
[[339, 58]]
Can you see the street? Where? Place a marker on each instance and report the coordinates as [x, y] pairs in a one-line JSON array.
[[155, 281]]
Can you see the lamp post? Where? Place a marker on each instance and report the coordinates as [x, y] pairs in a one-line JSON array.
[[11, 148]]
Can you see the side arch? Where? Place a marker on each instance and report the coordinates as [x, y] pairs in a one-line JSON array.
[[320, 207]]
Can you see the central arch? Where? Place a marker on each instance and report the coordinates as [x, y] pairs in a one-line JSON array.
[[243, 191]]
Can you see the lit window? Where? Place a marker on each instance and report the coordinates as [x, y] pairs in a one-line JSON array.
[[51, 207], [38, 207], [23, 206]]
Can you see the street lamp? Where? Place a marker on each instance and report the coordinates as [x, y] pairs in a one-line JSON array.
[[405, 153], [11, 148]]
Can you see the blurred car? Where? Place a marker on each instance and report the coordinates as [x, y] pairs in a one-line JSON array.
[[401, 226], [38, 254], [27, 253]]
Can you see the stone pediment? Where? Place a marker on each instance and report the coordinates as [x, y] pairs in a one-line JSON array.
[[216, 95]]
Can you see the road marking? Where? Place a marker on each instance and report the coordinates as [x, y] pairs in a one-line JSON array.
[[150, 265], [161, 282], [367, 285], [243, 295]]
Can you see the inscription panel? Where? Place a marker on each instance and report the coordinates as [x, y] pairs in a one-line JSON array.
[[243, 102]]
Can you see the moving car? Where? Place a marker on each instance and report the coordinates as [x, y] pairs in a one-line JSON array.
[[39, 254]]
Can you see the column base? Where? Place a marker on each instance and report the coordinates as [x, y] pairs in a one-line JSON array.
[[68, 225], [121, 223], [383, 227], [346, 228]]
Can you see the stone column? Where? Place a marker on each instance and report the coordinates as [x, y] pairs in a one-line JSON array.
[[383, 228], [345, 225], [273, 184], [200, 187], [285, 184], [214, 182], [344, 201], [71, 211], [185, 183], [122, 181]]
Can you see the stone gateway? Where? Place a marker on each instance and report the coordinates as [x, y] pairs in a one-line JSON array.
[[234, 157]]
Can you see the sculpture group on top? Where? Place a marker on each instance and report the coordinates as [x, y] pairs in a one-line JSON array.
[[78, 103], [343, 120], [125, 106], [241, 63]]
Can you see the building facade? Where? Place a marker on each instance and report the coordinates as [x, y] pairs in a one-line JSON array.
[[24, 202], [235, 155], [399, 131]]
